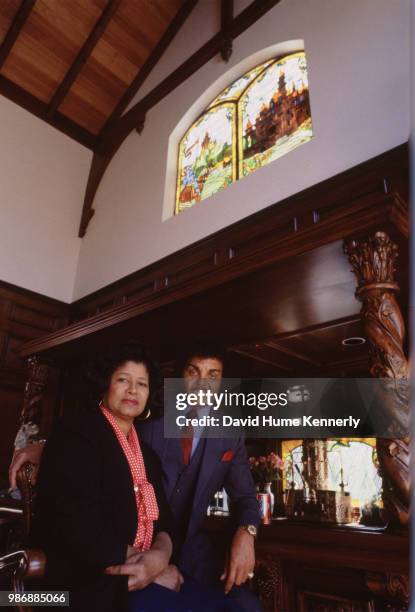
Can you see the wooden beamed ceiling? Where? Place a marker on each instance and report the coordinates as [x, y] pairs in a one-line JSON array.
[[77, 64]]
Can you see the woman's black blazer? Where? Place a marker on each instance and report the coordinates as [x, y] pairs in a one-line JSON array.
[[85, 513]]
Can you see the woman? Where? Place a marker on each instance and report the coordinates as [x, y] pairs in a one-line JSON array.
[[101, 514]]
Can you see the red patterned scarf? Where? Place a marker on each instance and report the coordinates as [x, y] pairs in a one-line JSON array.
[[147, 508]]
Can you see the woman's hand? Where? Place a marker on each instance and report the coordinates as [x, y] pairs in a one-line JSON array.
[[171, 578], [30, 453], [143, 567]]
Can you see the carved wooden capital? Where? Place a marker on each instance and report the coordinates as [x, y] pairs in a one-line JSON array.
[[373, 261]]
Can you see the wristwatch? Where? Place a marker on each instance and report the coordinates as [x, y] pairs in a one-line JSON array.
[[251, 529]]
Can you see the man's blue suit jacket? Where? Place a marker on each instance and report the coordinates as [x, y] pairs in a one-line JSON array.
[[224, 464]]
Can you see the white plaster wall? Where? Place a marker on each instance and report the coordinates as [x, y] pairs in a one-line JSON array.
[[358, 63], [43, 175]]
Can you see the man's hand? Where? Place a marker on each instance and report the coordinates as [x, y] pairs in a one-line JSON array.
[[240, 561], [171, 578], [31, 453]]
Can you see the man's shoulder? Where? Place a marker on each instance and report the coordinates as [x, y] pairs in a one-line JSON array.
[[148, 427]]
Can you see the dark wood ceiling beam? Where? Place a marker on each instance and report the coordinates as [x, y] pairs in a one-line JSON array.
[[113, 139], [83, 55], [21, 97], [15, 29], [113, 136], [173, 28]]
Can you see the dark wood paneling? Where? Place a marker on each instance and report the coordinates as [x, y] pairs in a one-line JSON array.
[[24, 316]]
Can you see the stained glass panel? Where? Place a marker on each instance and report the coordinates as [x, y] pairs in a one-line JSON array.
[[256, 119], [207, 160], [351, 461], [234, 91], [274, 113]]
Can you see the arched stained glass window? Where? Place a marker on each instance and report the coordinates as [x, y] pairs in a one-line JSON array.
[[258, 118]]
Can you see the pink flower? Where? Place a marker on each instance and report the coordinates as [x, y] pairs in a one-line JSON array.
[[280, 463], [276, 461]]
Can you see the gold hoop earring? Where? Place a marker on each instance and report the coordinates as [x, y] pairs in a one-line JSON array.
[[147, 416]]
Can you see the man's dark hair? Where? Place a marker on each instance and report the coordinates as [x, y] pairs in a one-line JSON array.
[[97, 374], [200, 348]]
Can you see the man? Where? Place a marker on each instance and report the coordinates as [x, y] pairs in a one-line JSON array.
[[192, 475]]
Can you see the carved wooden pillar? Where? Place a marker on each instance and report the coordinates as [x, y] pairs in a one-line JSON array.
[[391, 588], [32, 401], [373, 261]]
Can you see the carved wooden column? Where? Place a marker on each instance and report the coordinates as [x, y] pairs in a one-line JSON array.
[[32, 401], [391, 588], [373, 261]]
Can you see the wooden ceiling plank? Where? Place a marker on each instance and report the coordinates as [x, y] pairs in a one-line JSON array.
[[152, 60], [83, 56], [26, 100], [15, 29], [242, 22]]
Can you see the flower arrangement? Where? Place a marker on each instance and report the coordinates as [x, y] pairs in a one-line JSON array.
[[266, 469]]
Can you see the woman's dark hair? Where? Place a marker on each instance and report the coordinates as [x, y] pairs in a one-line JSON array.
[[97, 374]]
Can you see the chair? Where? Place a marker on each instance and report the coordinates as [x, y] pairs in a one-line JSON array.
[[21, 564]]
